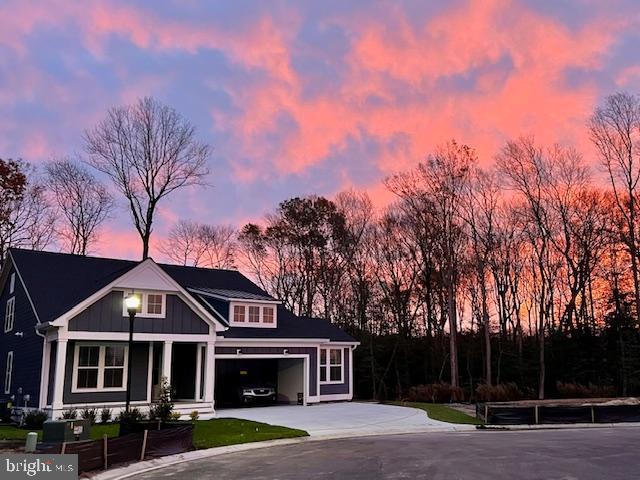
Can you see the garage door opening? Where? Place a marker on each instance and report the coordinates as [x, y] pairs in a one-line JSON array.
[[243, 382]]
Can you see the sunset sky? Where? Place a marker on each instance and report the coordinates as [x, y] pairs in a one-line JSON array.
[[309, 97]]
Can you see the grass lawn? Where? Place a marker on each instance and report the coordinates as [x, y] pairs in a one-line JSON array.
[[443, 413], [230, 431], [11, 432], [207, 434]]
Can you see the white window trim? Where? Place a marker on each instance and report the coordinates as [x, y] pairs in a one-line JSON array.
[[260, 323], [10, 314], [144, 298], [8, 373], [101, 368], [12, 283], [244, 315], [328, 365]]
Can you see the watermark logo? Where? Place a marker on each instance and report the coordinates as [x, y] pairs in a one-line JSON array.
[[36, 466]]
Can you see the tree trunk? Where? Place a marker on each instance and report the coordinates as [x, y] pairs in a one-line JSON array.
[[453, 334]]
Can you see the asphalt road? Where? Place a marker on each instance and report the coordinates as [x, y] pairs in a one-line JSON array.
[[580, 454]]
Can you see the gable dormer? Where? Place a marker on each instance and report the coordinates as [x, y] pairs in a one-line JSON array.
[[242, 309]]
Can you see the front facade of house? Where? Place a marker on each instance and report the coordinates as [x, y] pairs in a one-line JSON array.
[[65, 337]]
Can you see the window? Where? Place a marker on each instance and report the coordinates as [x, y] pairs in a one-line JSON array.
[[139, 296], [267, 314], [88, 367], [331, 366], [238, 313], [154, 304], [100, 367], [323, 365], [12, 283], [9, 314], [8, 372], [254, 314], [151, 304], [113, 366]]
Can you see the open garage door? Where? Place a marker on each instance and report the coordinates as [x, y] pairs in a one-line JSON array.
[[236, 377]]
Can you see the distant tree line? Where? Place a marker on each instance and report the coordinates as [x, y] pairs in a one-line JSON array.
[[521, 272]]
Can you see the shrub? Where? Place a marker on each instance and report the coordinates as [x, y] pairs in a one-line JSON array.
[[194, 415], [175, 416], [34, 419], [89, 414], [105, 415], [70, 414], [577, 390], [436, 393], [164, 406], [503, 392], [132, 416]]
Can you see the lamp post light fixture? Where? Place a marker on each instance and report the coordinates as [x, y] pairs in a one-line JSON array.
[[132, 303]]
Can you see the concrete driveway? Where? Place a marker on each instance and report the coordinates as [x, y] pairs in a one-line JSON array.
[[344, 419]]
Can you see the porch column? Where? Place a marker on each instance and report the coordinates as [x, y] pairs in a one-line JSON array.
[[209, 373], [199, 366], [166, 360], [61, 361], [44, 374]]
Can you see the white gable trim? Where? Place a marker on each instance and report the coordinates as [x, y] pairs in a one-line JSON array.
[[128, 281]]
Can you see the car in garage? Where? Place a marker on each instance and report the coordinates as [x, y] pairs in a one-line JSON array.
[[251, 394]]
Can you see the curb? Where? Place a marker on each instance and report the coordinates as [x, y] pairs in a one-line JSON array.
[[158, 463]]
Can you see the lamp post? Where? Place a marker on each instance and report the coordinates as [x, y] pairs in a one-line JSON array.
[[133, 303]]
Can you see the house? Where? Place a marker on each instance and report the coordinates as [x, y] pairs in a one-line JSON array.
[[65, 337]]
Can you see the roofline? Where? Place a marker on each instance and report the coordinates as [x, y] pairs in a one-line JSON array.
[[26, 290], [223, 339], [65, 317], [233, 299]]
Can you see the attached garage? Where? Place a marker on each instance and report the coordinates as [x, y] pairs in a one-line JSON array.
[[234, 375]]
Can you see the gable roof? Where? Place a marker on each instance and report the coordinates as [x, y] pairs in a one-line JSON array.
[[57, 282]]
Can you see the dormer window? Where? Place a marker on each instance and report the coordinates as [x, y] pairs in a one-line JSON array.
[[253, 315], [238, 313]]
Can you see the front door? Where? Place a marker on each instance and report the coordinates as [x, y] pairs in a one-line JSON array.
[[156, 371], [183, 370]]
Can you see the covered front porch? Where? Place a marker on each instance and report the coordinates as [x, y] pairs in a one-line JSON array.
[[82, 372]]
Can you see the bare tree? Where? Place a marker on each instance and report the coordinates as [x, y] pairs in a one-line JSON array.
[[527, 169], [480, 212], [29, 222], [615, 131], [83, 201], [439, 184], [201, 245], [148, 150]]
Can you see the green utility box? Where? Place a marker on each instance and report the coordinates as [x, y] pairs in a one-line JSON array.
[[58, 431]]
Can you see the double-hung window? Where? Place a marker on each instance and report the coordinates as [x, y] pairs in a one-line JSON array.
[[8, 372], [100, 367], [267, 315], [9, 314], [254, 314], [238, 313], [331, 365], [154, 304]]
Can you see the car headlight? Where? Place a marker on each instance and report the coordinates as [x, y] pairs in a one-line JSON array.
[[247, 392]]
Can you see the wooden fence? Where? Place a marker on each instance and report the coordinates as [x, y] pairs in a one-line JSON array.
[[104, 453]]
